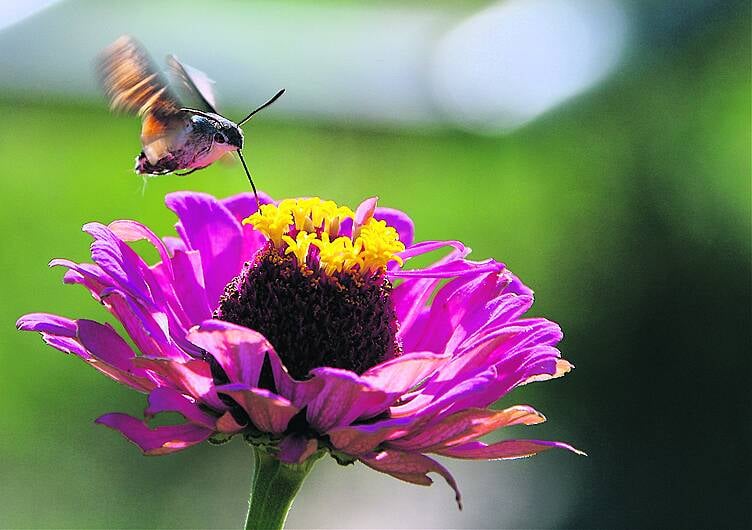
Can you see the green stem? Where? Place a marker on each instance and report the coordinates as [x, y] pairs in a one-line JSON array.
[[274, 487]]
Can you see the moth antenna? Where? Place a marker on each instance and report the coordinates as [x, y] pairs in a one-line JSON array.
[[248, 173], [262, 107], [198, 112]]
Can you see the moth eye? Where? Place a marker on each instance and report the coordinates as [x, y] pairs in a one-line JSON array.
[[218, 138]]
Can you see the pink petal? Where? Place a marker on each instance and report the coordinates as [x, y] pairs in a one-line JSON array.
[[294, 449], [244, 204], [399, 220], [268, 411], [105, 344], [47, 323], [150, 329], [490, 369], [173, 244], [89, 275], [505, 450], [209, 227], [226, 423], [459, 310], [364, 438], [424, 247], [363, 213], [343, 398], [189, 285], [402, 373], [410, 467], [158, 441], [109, 354], [465, 426], [134, 231], [119, 261], [192, 377], [169, 400], [241, 206], [563, 367], [238, 350], [299, 393]]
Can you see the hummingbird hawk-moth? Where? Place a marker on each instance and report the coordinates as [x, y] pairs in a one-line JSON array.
[[173, 137]]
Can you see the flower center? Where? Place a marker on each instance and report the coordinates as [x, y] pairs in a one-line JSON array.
[[319, 294]]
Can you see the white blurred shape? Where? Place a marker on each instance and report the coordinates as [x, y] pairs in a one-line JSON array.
[[513, 61], [12, 11]]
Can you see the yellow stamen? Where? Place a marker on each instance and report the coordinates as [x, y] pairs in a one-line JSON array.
[[272, 221], [380, 244], [338, 255], [317, 223], [299, 245]]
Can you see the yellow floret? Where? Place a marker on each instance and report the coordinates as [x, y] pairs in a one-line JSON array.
[[380, 244], [272, 221], [317, 223], [338, 255], [299, 246]]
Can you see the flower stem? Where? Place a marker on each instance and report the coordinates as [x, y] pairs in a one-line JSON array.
[[273, 489]]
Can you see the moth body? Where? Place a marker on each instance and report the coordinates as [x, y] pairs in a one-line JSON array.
[[173, 137], [199, 142]]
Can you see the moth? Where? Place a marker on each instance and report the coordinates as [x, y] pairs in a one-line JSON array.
[[173, 137]]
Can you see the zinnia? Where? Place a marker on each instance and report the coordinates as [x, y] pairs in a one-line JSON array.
[[299, 328]]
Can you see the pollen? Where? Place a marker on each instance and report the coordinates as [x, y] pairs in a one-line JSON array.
[[310, 228]]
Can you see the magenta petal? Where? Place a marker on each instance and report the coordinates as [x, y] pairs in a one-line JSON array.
[[410, 467], [299, 393], [244, 204], [105, 344], [402, 373], [504, 450], [173, 244], [89, 275], [400, 221], [294, 449], [134, 231], [449, 270], [189, 285], [465, 426], [149, 328], [343, 398], [459, 308], [238, 350], [208, 227], [192, 377], [360, 439], [268, 411], [59, 332], [119, 261], [158, 441], [364, 211], [100, 347], [458, 250], [47, 323], [227, 423], [166, 399], [241, 206]]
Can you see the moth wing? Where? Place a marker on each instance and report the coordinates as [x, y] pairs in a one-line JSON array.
[[159, 134], [131, 81], [135, 86], [196, 82]]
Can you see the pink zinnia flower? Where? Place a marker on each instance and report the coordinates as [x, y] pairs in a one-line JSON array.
[[301, 330]]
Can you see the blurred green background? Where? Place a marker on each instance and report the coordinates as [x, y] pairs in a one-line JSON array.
[[626, 208]]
